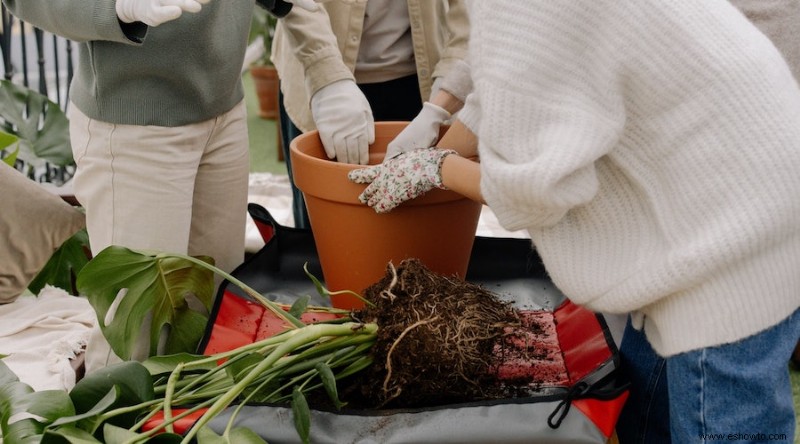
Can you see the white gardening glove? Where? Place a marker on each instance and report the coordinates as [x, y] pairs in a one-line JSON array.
[[405, 177], [155, 12], [344, 121], [422, 132]]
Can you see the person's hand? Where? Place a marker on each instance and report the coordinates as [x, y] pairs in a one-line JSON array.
[[155, 12], [422, 132], [409, 175], [344, 121]]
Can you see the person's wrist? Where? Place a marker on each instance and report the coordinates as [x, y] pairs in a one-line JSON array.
[[436, 113], [441, 169], [447, 102]]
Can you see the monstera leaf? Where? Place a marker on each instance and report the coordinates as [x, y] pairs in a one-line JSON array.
[[139, 285], [6, 141], [64, 265], [40, 124], [24, 413]]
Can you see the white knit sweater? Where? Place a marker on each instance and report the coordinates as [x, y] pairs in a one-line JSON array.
[[652, 149]]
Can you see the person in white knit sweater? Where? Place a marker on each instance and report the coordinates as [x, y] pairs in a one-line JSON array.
[[652, 151]]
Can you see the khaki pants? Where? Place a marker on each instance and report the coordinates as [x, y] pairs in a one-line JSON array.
[[181, 189]]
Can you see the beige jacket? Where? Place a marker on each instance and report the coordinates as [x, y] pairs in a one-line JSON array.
[[314, 49]]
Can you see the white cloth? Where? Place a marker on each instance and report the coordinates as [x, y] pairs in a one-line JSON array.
[[651, 150], [42, 334]]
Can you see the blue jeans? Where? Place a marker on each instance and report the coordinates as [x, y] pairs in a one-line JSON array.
[[737, 392]]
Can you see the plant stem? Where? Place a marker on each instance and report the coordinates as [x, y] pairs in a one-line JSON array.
[[271, 306], [295, 339]]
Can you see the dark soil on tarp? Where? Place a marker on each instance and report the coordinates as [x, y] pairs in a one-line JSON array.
[[437, 342]]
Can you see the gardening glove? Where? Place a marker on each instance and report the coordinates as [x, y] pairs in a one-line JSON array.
[[401, 178], [155, 12], [422, 132], [344, 121]]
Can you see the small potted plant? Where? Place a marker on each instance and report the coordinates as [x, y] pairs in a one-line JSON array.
[[263, 72]]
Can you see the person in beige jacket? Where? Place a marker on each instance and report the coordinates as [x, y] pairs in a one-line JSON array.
[[353, 62]]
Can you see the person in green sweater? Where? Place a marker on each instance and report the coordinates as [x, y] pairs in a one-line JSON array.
[[158, 124]]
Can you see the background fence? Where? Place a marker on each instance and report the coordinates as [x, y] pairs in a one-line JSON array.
[[42, 62]]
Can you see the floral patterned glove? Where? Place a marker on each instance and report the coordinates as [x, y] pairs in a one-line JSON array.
[[404, 177]]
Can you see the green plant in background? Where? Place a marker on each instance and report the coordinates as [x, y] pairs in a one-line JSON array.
[[34, 133], [40, 125], [64, 265], [263, 27], [7, 141]]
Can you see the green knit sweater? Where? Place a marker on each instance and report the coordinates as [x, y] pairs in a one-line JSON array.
[[182, 72]]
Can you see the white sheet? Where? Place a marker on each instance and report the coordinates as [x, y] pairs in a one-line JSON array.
[[41, 334]]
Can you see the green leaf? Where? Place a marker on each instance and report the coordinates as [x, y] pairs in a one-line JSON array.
[[239, 368], [299, 306], [156, 284], [301, 414], [329, 382], [324, 292], [321, 290], [70, 434], [165, 438], [238, 435], [255, 393], [163, 365], [6, 140], [125, 384], [245, 436], [92, 414], [11, 158], [64, 265], [40, 124], [24, 413], [7, 376], [206, 435]]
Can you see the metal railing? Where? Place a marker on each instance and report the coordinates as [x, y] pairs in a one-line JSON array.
[[42, 62], [36, 59]]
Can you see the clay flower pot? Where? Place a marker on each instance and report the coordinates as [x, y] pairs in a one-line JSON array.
[[354, 243], [267, 84]]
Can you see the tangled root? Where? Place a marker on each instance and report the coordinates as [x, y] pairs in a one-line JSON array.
[[435, 339]]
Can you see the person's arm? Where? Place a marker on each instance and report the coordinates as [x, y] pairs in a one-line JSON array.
[[413, 173], [457, 28], [311, 40], [340, 110], [76, 20], [460, 139], [462, 176], [461, 173], [448, 99]]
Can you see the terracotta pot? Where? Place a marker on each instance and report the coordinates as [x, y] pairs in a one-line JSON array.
[[354, 243], [265, 79]]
